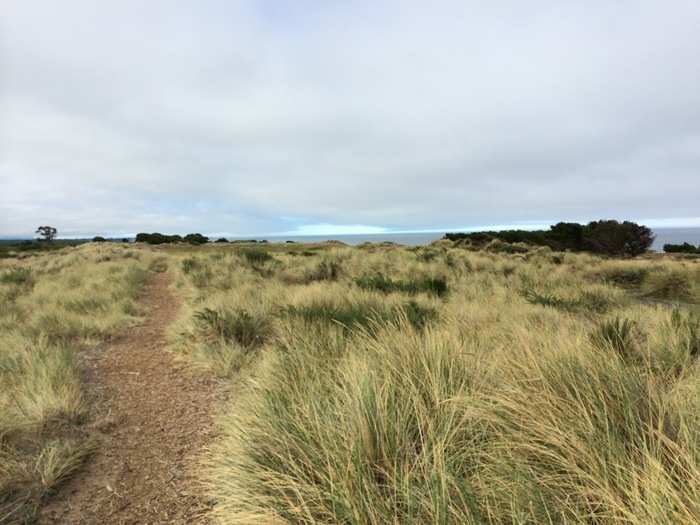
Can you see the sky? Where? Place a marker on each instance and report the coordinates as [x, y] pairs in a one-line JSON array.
[[306, 117]]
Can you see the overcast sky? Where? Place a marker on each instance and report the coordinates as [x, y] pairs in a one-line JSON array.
[[261, 117]]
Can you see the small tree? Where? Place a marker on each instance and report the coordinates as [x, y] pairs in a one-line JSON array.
[[47, 232], [196, 238], [99, 238], [615, 238]]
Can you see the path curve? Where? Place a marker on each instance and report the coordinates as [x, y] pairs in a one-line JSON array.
[[152, 418]]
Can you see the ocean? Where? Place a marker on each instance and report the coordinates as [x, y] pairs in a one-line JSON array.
[[663, 236]]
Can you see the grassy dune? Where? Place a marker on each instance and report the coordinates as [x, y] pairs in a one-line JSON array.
[[53, 305], [441, 385], [381, 384]]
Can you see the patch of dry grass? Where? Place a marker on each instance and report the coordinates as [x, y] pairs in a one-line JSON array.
[[53, 305], [547, 388]]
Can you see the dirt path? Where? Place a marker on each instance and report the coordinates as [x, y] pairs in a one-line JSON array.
[[152, 418]]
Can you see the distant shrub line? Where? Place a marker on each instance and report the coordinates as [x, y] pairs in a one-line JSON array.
[[681, 248], [159, 238], [607, 237]]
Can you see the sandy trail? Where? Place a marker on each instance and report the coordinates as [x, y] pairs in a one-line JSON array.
[[152, 418]]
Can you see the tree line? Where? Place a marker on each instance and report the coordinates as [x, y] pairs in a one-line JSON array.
[[605, 237]]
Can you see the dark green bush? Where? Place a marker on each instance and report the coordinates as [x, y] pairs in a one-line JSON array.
[[607, 237], [615, 238], [250, 331], [157, 238], [99, 238], [196, 238], [681, 248]]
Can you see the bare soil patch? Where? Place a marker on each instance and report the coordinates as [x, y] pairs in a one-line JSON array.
[[152, 417]]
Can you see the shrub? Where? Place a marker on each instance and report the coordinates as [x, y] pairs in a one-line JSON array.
[[615, 238], [157, 238], [222, 240], [99, 238], [681, 248], [608, 237], [248, 330], [196, 238]]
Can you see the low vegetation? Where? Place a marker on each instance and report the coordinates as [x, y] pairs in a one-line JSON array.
[[606, 237], [682, 248], [381, 384], [445, 384], [53, 306]]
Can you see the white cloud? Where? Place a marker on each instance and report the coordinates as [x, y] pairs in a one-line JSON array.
[[254, 117]]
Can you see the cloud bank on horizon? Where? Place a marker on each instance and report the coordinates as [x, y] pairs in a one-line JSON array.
[[256, 117]]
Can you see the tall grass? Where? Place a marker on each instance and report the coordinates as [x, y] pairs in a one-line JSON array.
[[544, 388], [54, 304]]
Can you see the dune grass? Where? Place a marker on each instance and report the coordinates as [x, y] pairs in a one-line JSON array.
[[53, 305], [384, 385], [445, 385]]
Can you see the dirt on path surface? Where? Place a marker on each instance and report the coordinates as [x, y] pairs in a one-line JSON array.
[[152, 418]]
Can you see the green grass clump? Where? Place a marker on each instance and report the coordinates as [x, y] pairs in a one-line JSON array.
[[432, 285], [617, 335], [626, 275], [674, 285], [17, 276], [592, 300], [248, 330], [328, 269], [256, 256], [368, 315], [351, 439], [189, 264]]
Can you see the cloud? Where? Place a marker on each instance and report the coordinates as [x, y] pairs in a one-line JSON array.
[[254, 117]]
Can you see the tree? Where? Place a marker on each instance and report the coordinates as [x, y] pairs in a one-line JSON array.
[[681, 248], [614, 238], [566, 236], [47, 232], [99, 238], [196, 238]]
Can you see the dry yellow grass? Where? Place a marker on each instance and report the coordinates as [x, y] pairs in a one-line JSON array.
[[53, 305], [383, 384], [541, 388]]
